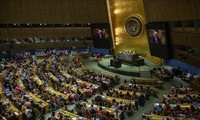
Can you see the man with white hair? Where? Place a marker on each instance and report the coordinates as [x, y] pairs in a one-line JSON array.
[[155, 38]]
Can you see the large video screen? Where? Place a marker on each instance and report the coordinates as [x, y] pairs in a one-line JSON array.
[[159, 39], [101, 35]]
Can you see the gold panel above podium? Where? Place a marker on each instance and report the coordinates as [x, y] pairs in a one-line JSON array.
[[120, 12]]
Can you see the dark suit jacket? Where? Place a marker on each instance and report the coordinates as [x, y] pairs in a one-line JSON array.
[[153, 40]]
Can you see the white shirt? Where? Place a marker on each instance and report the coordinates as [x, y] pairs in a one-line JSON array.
[[28, 113]]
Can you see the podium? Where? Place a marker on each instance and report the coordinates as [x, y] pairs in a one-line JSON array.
[[138, 62], [132, 59], [115, 63]]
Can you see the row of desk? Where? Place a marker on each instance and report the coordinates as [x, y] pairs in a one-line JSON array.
[[51, 90], [35, 99], [70, 86], [74, 88], [79, 81], [2, 74], [145, 80], [36, 78], [6, 101], [109, 98], [129, 87], [180, 95], [79, 73], [106, 81], [39, 101], [70, 115], [182, 106], [54, 92], [124, 92], [106, 109], [11, 107], [161, 76]]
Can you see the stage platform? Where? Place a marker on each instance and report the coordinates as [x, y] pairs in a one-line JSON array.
[[126, 69]]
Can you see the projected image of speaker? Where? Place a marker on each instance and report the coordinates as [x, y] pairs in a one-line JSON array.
[[158, 34], [101, 35]]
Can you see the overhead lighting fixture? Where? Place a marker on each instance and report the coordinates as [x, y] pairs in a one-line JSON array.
[[116, 4], [117, 11], [117, 39]]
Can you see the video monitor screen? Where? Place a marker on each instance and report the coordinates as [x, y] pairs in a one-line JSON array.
[[101, 35], [157, 36], [159, 39]]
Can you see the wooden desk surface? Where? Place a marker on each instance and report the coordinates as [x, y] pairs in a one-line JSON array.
[[125, 91], [156, 117], [146, 79], [77, 72], [118, 99], [11, 105], [159, 117], [151, 87], [79, 80], [1, 91], [19, 81], [40, 60], [38, 81], [138, 85], [2, 74], [73, 88], [66, 74], [36, 99], [107, 109], [183, 106], [36, 66], [181, 95], [87, 83], [51, 90], [160, 75], [86, 68], [53, 77], [14, 108], [175, 87], [70, 115]]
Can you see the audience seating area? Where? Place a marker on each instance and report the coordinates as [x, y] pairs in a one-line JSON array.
[[162, 73], [181, 103], [54, 81]]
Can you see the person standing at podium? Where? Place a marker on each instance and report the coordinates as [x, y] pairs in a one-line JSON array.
[[155, 38]]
